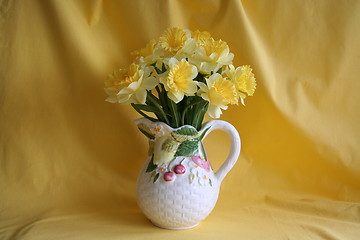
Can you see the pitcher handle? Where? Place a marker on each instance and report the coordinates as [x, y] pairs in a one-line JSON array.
[[235, 145]]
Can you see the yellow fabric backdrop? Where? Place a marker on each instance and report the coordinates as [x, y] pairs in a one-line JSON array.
[[69, 160]]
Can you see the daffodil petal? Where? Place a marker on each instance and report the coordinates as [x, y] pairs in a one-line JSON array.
[[134, 86], [123, 98], [192, 88], [172, 61], [112, 99], [140, 97], [205, 96], [214, 111], [202, 86], [176, 96], [150, 83]]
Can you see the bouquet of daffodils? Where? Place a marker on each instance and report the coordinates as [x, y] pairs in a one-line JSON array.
[[180, 77]]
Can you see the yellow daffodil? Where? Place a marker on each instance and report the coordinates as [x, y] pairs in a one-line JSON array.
[[149, 55], [219, 92], [176, 42], [146, 51], [173, 39], [244, 80], [212, 55], [179, 80], [129, 85], [201, 37], [176, 60]]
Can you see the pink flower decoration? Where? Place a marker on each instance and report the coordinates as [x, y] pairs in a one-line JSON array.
[[203, 164]]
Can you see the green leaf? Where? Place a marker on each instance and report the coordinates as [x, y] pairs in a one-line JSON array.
[[189, 104], [203, 133], [143, 114], [187, 148], [156, 103], [151, 96], [147, 134], [187, 130], [163, 68], [200, 112], [181, 137], [151, 167], [156, 177], [148, 108], [175, 113], [219, 71], [163, 98], [169, 145], [158, 71]]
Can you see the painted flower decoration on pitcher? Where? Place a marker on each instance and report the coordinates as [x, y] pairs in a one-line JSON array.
[[200, 170], [201, 163], [176, 153]]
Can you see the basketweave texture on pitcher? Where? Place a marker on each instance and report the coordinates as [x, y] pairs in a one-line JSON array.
[[185, 201], [177, 188]]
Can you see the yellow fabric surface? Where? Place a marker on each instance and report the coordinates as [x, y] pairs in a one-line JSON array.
[[69, 160]]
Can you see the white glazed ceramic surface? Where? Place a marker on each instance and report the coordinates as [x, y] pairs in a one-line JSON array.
[[181, 199]]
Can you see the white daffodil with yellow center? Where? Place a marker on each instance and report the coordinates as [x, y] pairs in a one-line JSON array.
[[212, 55], [129, 85], [219, 92], [146, 51], [148, 55], [179, 81], [201, 37], [176, 42], [173, 39], [244, 80]]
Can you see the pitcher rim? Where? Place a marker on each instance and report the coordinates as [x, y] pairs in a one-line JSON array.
[[149, 122]]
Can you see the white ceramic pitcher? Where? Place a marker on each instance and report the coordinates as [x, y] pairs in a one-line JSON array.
[[177, 188]]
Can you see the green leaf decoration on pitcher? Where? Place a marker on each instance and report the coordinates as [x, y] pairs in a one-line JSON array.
[[187, 148]]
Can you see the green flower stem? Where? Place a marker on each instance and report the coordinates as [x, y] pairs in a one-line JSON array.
[[203, 112], [188, 114], [175, 113], [173, 108], [154, 101], [186, 109], [199, 113], [190, 111], [194, 119], [162, 97], [155, 111]]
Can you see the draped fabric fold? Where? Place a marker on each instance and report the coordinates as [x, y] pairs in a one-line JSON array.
[[69, 160]]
